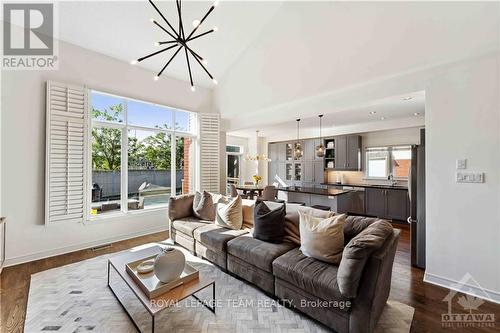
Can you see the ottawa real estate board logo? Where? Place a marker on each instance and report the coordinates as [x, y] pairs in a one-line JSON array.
[[467, 313], [29, 40]]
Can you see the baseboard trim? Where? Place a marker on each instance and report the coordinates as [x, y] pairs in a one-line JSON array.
[[78, 247], [466, 288]]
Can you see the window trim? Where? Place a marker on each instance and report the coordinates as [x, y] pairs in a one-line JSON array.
[[125, 127], [390, 165]]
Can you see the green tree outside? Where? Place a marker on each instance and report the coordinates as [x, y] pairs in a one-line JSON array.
[[152, 152]]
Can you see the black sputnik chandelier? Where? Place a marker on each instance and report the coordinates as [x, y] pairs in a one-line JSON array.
[[180, 41]]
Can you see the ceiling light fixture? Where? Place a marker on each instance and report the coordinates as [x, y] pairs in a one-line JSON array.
[[382, 118], [373, 112], [257, 157], [416, 114], [320, 149], [180, 40], [407, 98], [298, 147]]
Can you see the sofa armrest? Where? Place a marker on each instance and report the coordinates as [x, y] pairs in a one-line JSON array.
[[180, 206], [374, 287]]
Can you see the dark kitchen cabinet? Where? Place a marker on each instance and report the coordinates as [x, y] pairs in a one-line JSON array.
[[313, 172], [341, 153], [348, 152], [353, 157], [387, 203], [309, 149], [308, 172], [375, 202], [397, 204], [319, 172]]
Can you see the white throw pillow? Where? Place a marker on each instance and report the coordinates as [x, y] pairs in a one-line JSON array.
[[230, 215], [322, 238]]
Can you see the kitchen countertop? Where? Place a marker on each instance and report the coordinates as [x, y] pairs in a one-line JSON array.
[[396, 187], [313, 190]]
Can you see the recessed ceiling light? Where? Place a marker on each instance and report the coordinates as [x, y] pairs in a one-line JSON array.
[[416, 114], [407, 98], [373, 112], [382, 118]]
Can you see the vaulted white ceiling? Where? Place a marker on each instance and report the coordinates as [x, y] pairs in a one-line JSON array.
[[122, 29], [278, 60]]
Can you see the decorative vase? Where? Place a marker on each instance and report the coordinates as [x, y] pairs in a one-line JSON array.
[[169, 264]]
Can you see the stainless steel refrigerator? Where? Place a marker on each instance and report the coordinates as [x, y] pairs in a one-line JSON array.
[[416, 192]]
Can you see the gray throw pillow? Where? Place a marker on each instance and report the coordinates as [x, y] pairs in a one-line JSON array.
[[203, 206], [269, 225], [356, 254]]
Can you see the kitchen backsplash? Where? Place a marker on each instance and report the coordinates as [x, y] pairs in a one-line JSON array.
[[355, 177]]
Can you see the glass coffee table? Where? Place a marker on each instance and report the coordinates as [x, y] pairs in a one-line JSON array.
[[142, 310]]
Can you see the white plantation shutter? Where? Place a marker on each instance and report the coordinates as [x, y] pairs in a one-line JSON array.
[[209, 152], [66, 146]]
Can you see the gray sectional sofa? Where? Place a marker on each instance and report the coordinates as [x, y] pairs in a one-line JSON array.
[[346, 298]]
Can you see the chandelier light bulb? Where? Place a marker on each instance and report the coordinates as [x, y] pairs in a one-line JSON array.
[[133, 62], [157, 43], [193, 88], [215, 81], [156, 78], [196, 23], [204, 61], [152, 20], [215, 29], [216, 3]]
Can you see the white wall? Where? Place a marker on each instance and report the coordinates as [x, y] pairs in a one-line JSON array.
[[463, 220], [23, 149]]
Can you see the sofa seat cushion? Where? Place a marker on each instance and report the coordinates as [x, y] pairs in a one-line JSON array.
[[313, 276], [256, 252], [216, 237], [187, 225]]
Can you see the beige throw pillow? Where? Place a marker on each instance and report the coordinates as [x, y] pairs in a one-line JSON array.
[[322, 238], [230, 215]]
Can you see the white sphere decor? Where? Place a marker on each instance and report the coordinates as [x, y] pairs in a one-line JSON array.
[[169, 264]]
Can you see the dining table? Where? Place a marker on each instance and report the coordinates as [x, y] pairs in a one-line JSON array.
[[250, 190]]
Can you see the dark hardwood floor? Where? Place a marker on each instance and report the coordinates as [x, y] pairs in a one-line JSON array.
[[407, 287]]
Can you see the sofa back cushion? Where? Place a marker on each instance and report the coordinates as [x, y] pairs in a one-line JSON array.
[[203, 206], [322, 238], [230, 215], [269, 225], [357, 252], [180, 206], [248, 207]]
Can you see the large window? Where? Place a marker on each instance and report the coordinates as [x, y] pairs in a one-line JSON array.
[[384, 161], [139, 157], [233, 158]]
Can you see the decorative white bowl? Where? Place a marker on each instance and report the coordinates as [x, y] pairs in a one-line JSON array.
[[169, 264]]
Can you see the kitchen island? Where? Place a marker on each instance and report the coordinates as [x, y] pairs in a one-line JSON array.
[[339, 200]]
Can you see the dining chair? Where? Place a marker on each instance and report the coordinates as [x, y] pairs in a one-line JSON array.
[[232, 191]]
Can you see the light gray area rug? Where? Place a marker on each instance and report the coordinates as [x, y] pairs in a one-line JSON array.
[[75, 298]]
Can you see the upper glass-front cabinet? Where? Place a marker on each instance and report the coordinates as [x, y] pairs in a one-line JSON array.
[[288, 151]]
